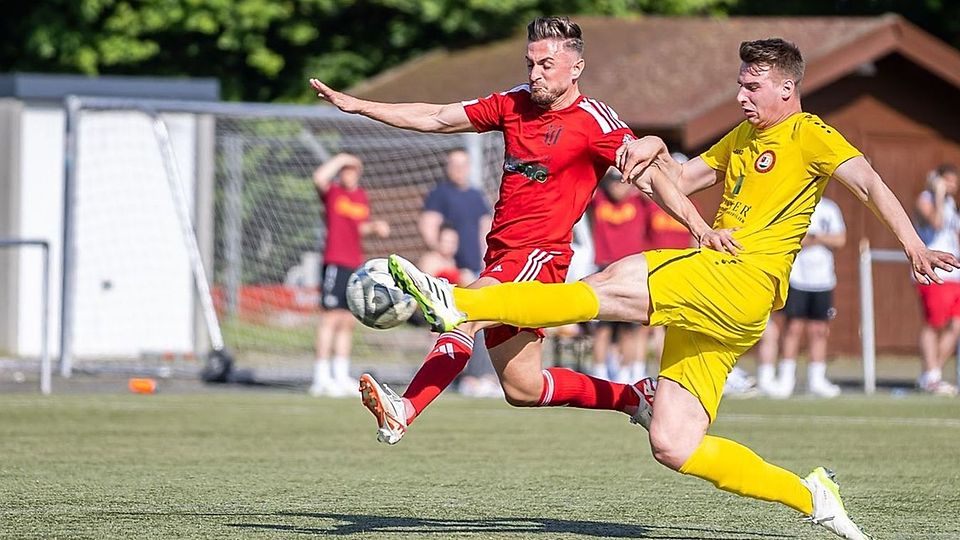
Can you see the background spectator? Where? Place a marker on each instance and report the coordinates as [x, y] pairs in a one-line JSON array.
[[455, 202], [938, 224], [809, 308], [347, 220], [620, 220]]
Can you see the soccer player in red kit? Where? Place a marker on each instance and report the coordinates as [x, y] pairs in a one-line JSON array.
[[558, 144]]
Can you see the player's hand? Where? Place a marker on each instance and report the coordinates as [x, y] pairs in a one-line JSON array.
[[720, 240], [381, 228], [924, 260], [633, 157], [344, 102]]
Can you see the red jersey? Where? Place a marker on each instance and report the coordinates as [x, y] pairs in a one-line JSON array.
[[666, 232], [619, 227], [553, 161], [347, 209]]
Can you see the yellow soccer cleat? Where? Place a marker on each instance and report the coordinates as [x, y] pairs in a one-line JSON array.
[[828, 510]]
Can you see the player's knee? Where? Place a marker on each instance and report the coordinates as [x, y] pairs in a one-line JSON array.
[[665, 450], [519, 398]]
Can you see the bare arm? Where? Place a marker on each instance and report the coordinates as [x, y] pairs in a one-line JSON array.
[[833, 241], [425, 117], [648, 164], [860, 178], [932, 210], [696, 176], [324, 174], [486, 221], [429, 227], [377, 227]]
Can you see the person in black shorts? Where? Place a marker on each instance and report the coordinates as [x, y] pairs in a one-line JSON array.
[[809, 308], [347, 220]]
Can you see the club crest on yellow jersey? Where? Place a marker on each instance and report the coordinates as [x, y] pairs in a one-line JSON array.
[[765, 161]]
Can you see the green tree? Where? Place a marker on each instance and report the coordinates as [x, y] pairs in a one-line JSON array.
[[939, 17], [265, 49]]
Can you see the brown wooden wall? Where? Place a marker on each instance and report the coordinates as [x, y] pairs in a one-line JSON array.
[[906, 121]]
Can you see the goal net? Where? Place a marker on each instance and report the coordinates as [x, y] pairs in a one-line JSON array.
[[175, 207]]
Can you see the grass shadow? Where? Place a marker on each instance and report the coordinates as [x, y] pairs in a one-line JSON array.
[[361, 525]]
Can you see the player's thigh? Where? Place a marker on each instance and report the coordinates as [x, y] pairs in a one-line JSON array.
[[621, 289], [699, 363], [710, 293]]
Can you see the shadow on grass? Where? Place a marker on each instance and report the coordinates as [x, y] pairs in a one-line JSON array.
[[352, 524]]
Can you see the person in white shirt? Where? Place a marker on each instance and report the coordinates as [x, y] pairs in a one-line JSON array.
[[809, 308], [938, 224]]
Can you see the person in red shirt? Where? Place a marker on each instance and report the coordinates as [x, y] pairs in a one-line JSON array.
[[620, 216], [558, 143], [347, 220]]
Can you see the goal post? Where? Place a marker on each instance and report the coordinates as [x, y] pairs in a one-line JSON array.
[[869, 256], [46, 367], [191, 226]]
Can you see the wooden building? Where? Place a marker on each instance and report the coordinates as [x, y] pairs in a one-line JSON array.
[[891, 88]]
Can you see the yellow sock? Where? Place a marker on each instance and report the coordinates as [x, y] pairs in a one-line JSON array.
[[529, 304], [735, 468]]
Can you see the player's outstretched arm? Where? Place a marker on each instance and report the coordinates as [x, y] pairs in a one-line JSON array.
[[857, 174], [425, 117]]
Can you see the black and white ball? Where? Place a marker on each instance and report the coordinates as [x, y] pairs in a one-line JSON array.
[[375, 300]]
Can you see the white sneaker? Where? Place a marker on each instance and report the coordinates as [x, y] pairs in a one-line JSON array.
[[823, 388], [434, 295], [740, 385], [386, 406], [828, 510], [646, 389], [327, 387], [774, 389], [939, 388]]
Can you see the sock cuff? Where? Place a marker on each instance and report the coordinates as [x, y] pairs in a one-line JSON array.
[[459, 337], [546, 395]]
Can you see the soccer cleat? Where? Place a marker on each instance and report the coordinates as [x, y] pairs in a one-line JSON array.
[[828, 510], [823, 388], [646, 389], [434, 295], [386, 406]]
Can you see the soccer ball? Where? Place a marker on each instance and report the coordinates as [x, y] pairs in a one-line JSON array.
[[375, 300]]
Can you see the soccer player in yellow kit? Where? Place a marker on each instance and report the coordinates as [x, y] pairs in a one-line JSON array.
[[715, 302]]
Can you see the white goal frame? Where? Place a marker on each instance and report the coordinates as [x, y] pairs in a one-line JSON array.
[[868, 257]]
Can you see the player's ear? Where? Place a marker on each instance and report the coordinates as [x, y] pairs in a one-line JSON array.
[[787, 88], [577, 68]]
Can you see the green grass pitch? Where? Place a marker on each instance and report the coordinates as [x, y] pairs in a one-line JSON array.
[[226, 464]]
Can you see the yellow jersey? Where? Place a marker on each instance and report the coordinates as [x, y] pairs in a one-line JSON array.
[[774, 178]]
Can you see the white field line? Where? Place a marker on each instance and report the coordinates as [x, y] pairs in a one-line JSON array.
[[842, 420]]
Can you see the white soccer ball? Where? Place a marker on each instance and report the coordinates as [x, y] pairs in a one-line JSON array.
[[375, 300]]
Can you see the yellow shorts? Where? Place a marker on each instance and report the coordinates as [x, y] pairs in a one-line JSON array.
[[715, 306]]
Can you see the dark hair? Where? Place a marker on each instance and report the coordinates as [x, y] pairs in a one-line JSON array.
[[947, 168], [561, 28], [775, 53], [447, 226]]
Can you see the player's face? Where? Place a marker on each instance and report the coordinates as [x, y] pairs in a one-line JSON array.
[[763, 94], [458, 168], [552, 70], [349, 177]]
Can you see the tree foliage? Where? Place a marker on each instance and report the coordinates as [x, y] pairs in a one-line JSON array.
[[264, 50]]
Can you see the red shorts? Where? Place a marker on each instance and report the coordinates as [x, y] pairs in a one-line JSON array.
[[940, 302], [527, 264]]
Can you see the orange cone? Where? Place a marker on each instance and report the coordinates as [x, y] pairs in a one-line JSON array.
[[142, 386]]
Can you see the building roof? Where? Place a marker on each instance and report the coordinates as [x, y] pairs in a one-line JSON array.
[[671, 73], [55, 87]]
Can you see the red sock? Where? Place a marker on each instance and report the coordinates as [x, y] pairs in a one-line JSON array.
[[447, 359], [562, 386]]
